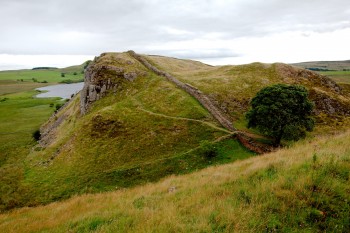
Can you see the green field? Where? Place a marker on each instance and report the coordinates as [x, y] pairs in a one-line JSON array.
[[15, 81], [21, 114], [338, 76]]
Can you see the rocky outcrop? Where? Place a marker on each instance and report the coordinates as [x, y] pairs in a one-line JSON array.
[[328, 105], [297, 75], [101, 77]]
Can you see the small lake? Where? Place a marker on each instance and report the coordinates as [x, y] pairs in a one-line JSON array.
[[61, 90]]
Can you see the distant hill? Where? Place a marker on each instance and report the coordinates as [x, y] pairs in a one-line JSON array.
[[325, 65]]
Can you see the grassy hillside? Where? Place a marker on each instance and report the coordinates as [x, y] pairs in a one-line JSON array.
[[147, 130], [304, 188], [232, 87]]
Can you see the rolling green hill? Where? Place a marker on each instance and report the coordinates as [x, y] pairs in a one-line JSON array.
[[141, 118]]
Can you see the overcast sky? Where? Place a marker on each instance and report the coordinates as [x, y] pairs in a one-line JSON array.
[[213, 31]]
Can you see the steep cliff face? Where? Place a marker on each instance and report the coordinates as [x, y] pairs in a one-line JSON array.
[[107, 73]]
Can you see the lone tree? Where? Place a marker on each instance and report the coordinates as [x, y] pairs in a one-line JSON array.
[[282, 112]]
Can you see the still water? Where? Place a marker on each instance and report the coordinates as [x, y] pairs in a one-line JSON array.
[[61, 90]]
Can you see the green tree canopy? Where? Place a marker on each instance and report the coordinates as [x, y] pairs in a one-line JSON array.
[[282, 112]]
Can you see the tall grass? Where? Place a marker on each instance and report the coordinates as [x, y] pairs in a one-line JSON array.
[[301, 189]]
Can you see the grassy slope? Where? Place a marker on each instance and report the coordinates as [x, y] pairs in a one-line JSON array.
[[301, 189], [234, 86], [148, 130]]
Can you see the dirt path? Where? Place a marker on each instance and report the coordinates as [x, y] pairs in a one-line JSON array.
[[193, 91], [186, 119]]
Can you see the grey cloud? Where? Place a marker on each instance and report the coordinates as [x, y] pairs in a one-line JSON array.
[[40, 26]]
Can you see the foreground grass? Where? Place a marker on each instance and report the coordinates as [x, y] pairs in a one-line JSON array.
[[301, 189]]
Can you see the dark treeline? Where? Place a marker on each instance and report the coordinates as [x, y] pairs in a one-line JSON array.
[[44, 68]]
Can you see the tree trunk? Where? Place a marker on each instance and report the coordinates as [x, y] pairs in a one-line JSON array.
[[279, 138]]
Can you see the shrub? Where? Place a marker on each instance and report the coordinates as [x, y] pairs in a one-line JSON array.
[[208, 149], [58, 106], [36, 135]]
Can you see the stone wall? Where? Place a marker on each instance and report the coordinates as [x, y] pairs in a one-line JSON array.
[[202, 98]]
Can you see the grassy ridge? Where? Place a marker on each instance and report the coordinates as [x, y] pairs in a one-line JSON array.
[[301, 189], [232, 87], [119, 144], [147, 130]]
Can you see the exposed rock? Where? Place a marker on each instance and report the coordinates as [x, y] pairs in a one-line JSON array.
[[327, 104], [107, 72], [291, 74]]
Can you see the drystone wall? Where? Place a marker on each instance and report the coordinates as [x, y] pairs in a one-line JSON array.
[[202, 98], [244, 139]]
